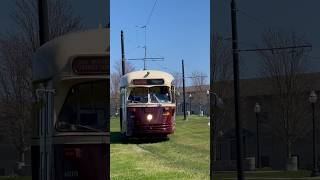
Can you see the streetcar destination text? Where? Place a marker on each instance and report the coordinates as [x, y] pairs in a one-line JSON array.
[[90, 65], [148, 81]]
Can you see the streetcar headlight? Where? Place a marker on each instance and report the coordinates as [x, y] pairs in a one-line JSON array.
[[149, 117]]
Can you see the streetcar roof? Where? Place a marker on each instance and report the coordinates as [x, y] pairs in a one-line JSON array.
[[54, 57], [128, 78]]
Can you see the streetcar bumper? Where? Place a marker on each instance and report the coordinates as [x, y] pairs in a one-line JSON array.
[[154, 129]]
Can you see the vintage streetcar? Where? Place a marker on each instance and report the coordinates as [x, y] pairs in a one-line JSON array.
[[71, 122], [147, 101]]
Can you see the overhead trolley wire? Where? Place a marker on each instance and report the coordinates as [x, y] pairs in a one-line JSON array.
[[148, 20]]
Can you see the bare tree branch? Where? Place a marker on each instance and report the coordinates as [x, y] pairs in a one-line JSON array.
[[284, 70], [222, 76], [115, 83], [16, 51]]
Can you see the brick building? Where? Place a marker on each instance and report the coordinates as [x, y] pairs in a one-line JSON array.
[[273, 147]]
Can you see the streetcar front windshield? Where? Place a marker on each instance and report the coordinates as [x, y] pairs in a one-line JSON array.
[[85, 108], [156, 94]]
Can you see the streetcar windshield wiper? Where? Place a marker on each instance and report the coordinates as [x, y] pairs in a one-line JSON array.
[[87, 127], [74, 126], [156, 98]]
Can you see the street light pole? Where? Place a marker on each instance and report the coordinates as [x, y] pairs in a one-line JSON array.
[[257, 110], [217, 103], [190, 96], [208, 103], [313, 100]]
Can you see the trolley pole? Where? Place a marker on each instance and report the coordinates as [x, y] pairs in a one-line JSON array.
[[184, 93], [235, 54], [43, 21], [122, 55]]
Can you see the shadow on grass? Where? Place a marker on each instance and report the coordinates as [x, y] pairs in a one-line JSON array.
[[117, 138]]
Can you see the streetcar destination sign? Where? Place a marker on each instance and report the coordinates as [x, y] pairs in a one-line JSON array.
[[91, 65], [148, 81]]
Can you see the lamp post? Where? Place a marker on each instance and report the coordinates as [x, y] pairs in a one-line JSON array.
[[208, 101], [215, 102], [257, 110], [190, 97], [313, 99]]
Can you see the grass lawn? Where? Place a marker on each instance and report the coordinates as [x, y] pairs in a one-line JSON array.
[[185, 155]]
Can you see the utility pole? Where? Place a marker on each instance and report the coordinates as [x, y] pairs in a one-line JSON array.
[[123, 61], [211, 105], [145, 47], [184, 93], [44, 166], [235, 54], [43, 21]]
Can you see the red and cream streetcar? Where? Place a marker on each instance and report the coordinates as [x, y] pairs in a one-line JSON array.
[[147, 101], [71, 124]]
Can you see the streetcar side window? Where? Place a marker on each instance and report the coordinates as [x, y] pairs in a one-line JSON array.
[[173, 94]]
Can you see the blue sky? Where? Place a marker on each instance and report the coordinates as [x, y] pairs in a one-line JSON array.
[[301, 17], [178, 29]]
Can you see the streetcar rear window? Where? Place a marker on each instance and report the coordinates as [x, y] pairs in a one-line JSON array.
[[85, 108]]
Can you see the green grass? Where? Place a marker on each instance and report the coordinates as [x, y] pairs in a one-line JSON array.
[[185, 155]]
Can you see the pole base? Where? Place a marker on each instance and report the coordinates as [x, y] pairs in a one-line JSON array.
[[315, 173]]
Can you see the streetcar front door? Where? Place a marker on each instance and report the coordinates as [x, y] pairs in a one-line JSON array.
[[123, 116]]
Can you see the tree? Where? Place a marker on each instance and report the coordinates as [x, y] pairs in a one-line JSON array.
[[199, 85], [16, 51], [177, 79], [115, 83], [221, 76], [178, 86], [284, 71], [222, 59]]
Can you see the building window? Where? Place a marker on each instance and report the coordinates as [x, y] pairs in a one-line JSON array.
[[265, 161], [219, 151], [233, 149]]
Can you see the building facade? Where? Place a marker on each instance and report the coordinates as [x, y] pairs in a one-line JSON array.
[[273, 143]]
